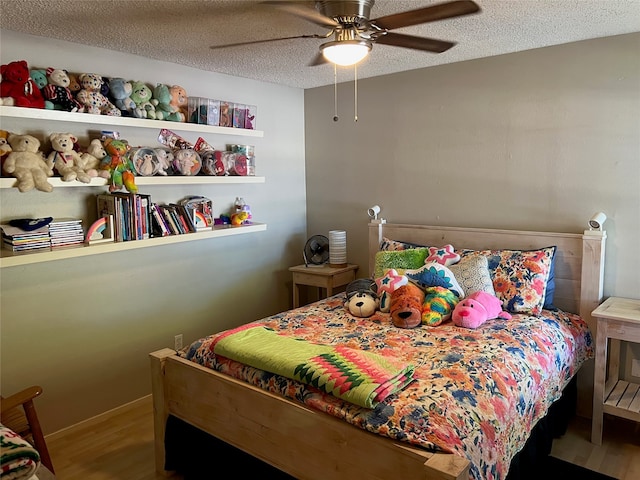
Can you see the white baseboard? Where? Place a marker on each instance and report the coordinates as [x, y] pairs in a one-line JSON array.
[[100, 417]]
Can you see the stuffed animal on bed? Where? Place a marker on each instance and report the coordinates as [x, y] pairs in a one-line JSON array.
[[438, 305], [476, 309], [362, 297], [406, 306]]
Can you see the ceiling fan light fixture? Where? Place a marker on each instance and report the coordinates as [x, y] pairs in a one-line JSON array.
[[346, 53]]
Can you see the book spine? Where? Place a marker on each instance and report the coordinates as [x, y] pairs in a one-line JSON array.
[[160, 221]]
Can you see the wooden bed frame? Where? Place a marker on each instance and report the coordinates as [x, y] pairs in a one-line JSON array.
[[313, 445]]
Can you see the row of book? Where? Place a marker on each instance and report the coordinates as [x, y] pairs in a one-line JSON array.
[[136, 217], [63, 232]]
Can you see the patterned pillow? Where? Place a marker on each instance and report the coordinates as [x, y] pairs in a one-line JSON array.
[[399, 260], [395, 245], [519, 277], [472, 273]]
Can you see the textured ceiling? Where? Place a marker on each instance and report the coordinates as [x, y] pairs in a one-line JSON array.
[[181, 31]]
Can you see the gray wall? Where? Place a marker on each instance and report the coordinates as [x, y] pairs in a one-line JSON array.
[[538, 140], [82, 328]]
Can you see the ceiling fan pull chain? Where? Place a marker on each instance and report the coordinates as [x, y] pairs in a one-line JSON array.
[[355, 93], [335, 93]]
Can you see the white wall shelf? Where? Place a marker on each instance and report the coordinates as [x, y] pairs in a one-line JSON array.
[[89, 119], [34, 116], [14, 259], [157, 180]]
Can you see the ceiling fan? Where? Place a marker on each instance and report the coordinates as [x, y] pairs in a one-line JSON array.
[[354, 33]]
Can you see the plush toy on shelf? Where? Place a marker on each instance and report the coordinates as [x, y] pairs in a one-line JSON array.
[[57, 91], [476, 309], [179, 101], [65, 159], [162, 101], [141, 95], [26, 163], [92, 99], [116, 163], [39, 76], [5, 148], [92, 159], [120, 91], [17, 87]]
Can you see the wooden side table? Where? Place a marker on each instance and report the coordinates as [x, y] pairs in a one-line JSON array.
[[618, 319], [324, 276]]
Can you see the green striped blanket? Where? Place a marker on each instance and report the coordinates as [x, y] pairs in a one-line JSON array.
[[357, 376]]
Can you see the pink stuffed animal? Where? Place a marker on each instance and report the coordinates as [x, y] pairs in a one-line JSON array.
[[477, 308]]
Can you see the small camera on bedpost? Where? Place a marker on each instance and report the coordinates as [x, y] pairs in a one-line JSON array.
[[595, 224], [373, 213]]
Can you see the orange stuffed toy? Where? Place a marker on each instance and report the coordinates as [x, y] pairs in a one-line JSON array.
[[406, 306]]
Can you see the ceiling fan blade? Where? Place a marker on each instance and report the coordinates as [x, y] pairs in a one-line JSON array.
[[319, 59], [427, 14], [214, 47], [304, 11], [417, 43]]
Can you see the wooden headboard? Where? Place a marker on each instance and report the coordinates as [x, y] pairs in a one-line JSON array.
[[579, 266]]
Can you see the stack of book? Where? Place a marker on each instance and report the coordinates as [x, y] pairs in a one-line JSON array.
[[66, 232], [19, 240]]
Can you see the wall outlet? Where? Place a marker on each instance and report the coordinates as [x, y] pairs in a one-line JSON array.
[[177, 342], [635, 367]]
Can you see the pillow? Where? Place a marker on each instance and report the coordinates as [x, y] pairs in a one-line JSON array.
[[551, 285], [395, 245], [399, 260], [443, 255], [472, 273], [435, 275], [519, 277]]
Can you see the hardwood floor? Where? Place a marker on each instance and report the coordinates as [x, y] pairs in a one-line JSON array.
[[119, 446]]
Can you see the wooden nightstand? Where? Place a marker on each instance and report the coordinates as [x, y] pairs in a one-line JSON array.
[[322, 277], [618, 319]]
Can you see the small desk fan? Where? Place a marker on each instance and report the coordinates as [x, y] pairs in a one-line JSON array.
[[316, 251]]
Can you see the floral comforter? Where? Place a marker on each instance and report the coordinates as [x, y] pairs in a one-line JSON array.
[[476, 393]]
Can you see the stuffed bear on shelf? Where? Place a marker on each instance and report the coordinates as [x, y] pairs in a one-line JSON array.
[[27, 165], [65, 159], [17, 88], [57, 91]]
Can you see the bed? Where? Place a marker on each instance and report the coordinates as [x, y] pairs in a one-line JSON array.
[[239, 411]]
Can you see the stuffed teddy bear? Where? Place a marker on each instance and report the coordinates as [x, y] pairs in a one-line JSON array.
[[362, 297], [5, 148], [117, 166], [65, 159], [92, 159], [26, 163], [387, 284], [92, 99], [17, 87], [57, 91], [120, 91], [39, 76], [406, 306], [438, 305], [476, 309], [162, 101], [74, 83], [179, 101], [141, 95]]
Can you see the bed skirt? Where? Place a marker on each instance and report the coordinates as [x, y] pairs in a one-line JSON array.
[[195, 453]]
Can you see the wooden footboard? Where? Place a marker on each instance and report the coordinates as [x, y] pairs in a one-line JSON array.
[[290, 436]]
